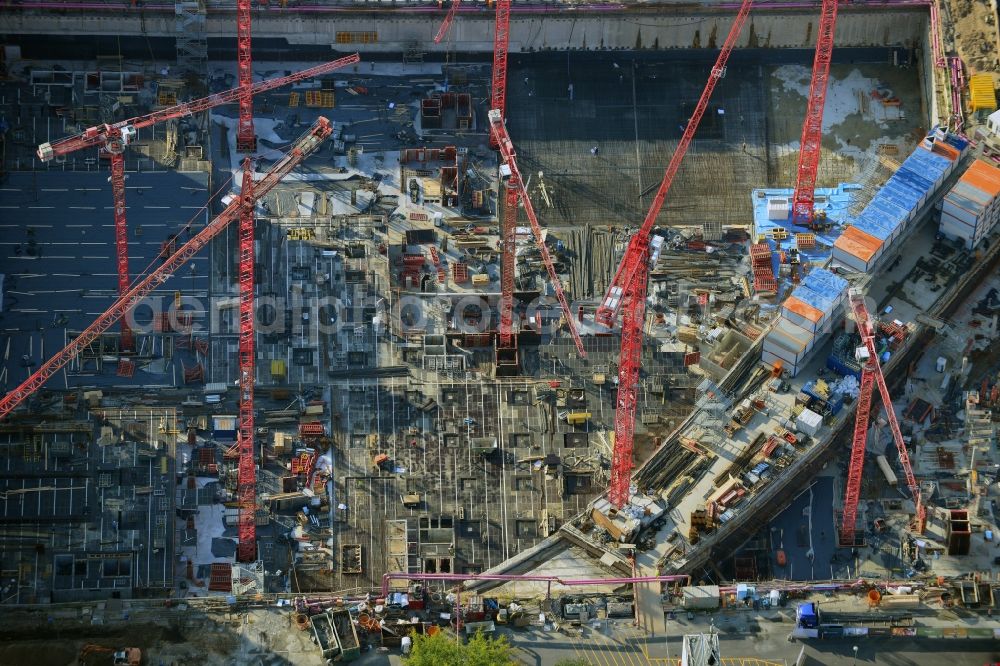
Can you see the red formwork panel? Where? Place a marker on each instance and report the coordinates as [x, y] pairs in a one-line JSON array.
[[221, 577]]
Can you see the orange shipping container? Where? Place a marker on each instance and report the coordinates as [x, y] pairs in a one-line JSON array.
[[984, 178], [803, 309], [858, 243], [944, 150]]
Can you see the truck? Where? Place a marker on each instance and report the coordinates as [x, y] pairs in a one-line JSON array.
[[807, 615]]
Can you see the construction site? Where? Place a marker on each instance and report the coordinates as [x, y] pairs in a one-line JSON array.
[[630, 333]]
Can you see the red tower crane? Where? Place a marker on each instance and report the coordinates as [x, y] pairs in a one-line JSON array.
[[871, 376], [812, 130], [303, 147], [508, 258], [446, 23], [514, 181], [115, 147], [627, 292], [246, 478], [508, 229], [629, 361], [113, 139], [501, 41], [246, 140], [635, 258]]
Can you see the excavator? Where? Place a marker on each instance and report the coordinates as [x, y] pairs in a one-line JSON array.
[[129, 656]]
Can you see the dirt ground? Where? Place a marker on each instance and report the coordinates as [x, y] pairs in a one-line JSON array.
[[970, 28], [260, 636]]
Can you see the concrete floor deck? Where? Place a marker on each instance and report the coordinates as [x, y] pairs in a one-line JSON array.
[[71, 278]]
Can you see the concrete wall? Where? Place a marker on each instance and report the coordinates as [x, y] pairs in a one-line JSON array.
[[473, 32]]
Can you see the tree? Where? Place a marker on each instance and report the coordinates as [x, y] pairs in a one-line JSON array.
[[575, 661], [442, 650], [484, 651]]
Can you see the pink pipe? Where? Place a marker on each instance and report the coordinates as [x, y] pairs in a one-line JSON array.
[[569, 582], [54, 5], [600, 7]]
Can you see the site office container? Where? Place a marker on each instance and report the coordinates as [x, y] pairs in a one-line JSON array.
[[954, 229], [906, 197], [771, 360], [825, 290], [888, 216], [801, 313], [944, 150], [857, 250], [886, 213], [788, 341], [916, 181], [972, 207], [932, 167], [822, 280], [984, 177], [966, 202], [821, 298]]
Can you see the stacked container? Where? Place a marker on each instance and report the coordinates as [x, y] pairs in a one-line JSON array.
[[889, 214], [806, 318], [971, 209]]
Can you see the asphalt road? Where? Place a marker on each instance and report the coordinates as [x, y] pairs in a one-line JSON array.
[[626, 646]]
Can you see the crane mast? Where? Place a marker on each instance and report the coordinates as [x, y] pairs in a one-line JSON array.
[[246, 140], [501, 41], [635, 253], [499, 132], [629, 363], [812, 130], [115, 147], [498, 100], [871, 376], [507, 260], [246, 471], [303, 147]]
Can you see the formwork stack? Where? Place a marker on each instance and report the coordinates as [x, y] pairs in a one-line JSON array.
[[763, 271]]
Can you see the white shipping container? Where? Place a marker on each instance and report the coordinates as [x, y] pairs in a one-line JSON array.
[[701, 597], [948, 218], [771, 359], [967, 216], [803, 322], [796, 337], [851, 262], [809, 422], [778, 209]]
